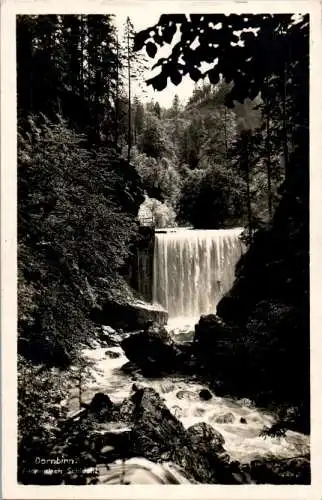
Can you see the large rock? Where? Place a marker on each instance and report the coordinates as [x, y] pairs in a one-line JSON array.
[[202, 434], [224, 418], [154, 351], [281, 471], [214, 344], [129, 314], [151, 354], [109, 337], [156, 432], [158, 436], [212, 328]]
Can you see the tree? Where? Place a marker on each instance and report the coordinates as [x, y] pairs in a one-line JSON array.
[[69, 65], [103, 67], [138, 120], [153, 141], [128, 33], [175, 109], [159, 177], [192, 141], [210, 99], [157, 110], [213, 198], [134, 65]]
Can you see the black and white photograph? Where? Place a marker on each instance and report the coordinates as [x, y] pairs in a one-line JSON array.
[[163, 247]]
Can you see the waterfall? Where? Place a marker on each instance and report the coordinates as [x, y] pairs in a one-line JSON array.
[[193, 269]]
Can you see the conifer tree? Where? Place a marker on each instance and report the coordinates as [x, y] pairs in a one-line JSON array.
[[134, 65]]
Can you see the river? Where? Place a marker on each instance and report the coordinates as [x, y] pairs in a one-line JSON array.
[[181, 395]]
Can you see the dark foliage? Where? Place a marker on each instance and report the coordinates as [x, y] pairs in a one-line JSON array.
[[92, 198]]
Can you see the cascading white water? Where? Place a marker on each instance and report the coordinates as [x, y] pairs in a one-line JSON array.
[[193, 269]]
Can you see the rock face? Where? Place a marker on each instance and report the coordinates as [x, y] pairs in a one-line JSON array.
[[132, 315], [269, 301]]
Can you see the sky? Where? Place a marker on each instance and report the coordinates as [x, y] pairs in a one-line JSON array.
[[165, 97]]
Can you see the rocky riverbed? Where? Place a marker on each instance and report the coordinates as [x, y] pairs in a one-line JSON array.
[[188, 404]]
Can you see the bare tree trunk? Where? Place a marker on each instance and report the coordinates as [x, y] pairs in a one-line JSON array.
[[129, 89], [117, 95]]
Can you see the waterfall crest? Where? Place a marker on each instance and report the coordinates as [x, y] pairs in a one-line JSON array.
[[193, 269]]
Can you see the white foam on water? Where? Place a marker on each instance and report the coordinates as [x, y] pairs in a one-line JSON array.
[[181, 395]]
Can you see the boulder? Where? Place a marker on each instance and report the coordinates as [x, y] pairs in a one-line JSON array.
[[281, 471], [112, 354], [158, 331], [188, 395], [129, 368], [205, 394], [100, 402], [108, 329], [214, 338], [215, 346], [209, 324], [155, 429], [110, 337], [246, 402], [158, 435], [152, 352], [225, 418], [126, 409], [202, 434], [129, 315]]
